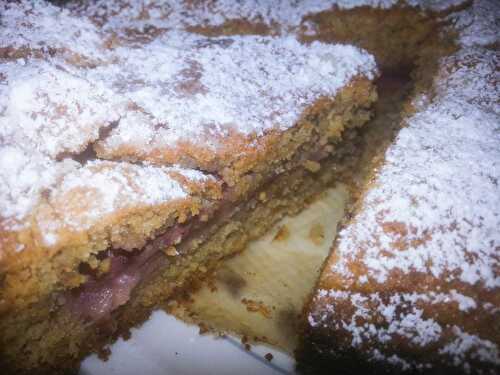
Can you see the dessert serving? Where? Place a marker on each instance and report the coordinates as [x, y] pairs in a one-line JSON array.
[[134, 163], [412, 282], [141, 143]]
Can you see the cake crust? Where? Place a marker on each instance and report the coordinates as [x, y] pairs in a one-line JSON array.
[[126, 129], [412, 283], [128, 152]]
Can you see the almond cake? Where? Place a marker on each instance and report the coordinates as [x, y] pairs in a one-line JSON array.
[[141, 143], [133, 161]]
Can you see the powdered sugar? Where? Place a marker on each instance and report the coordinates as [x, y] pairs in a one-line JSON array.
[[48, 109], [465, 344], [434, 210], [24, 174], [102, 188], [96, 192], [34, 27], [433, 213], [176, 87], [388, 319], [284, 16], [191, 88], [370, 306], [442, 196]]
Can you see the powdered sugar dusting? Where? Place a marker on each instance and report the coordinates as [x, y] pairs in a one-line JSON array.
[[67, 75], [284, 16], [390, 320], [191, 174], [466, 343], [46, 108], [37, 27], [432, 215], [445, 210], [23, 175], [89, 194], [191, 88], [410, 324], [65, 84]]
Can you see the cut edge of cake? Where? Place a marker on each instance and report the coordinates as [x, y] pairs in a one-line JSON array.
[[412, 285], [93, 245]]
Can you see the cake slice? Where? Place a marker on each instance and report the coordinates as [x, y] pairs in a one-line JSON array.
[[412, 284], [133, 164]]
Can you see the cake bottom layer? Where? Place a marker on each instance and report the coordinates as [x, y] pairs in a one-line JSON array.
[[49, 337], [260, 294]]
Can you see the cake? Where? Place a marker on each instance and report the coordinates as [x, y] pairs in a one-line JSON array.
[[133, 161], [412, 283], [143, 143]]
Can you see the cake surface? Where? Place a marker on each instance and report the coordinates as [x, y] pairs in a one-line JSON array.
[[134, 161], [143, 142], [412, 284]]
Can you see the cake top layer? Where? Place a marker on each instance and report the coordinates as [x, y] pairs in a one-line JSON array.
[[69, 88], [421, 258], [282, 16], [38, 28], [211, 92]]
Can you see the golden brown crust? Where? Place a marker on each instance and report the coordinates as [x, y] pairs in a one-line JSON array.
[[393, 35], [243, 161], [407, 288], [41, 269], [238, 154], [96, 207], [50, 349]]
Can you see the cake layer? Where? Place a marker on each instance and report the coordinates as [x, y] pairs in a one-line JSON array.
[[46, 347], [126, 160], [179, 98], [187, 99], [260, 293], [103, 205], [225, 17], [211, 101], [412, 284]]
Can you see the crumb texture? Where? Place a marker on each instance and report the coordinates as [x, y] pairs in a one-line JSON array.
[[119, 119], [181, 98], [125, 146], [420, 259]]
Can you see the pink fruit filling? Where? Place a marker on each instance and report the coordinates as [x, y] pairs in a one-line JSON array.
[[98, 297]]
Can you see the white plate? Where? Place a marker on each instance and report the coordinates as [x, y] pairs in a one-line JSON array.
[[164, 345]]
